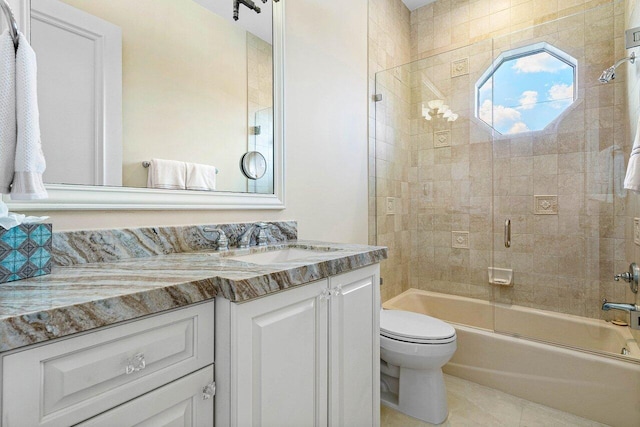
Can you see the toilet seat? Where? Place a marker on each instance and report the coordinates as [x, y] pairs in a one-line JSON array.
[[415, 328]]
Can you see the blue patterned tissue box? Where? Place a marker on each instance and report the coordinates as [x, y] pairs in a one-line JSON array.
[[25, 251]]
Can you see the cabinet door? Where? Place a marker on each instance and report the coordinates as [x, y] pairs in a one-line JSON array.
[[181, 403], [354, 348], [280, 360]]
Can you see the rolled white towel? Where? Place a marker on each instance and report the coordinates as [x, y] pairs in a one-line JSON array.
[[29, 163], [632, 178], [7, 111], [167, 174], [201, 177]]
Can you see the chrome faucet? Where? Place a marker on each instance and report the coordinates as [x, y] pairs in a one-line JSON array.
[[606, 306], [222, 242], [245, 238]]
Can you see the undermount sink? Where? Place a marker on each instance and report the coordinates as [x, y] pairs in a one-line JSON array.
[[282, 255]]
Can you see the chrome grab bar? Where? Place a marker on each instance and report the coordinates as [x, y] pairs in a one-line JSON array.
[[507, 233]]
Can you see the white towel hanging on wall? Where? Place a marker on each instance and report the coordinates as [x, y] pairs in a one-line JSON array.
[[30, 163], [632, 178], [7, 111], [201, 177], [167, 174]]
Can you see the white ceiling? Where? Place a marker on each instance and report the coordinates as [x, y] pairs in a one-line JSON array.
[[414, 4]]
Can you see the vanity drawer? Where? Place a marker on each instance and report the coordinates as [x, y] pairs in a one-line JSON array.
[[73, 379], [181, 403]]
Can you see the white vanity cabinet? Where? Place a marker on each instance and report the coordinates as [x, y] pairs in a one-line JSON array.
[[155, 368], [308, 356]]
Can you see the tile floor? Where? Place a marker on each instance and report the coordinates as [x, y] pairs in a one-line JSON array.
[[471, 404]]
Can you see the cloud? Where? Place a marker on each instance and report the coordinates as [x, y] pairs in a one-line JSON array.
[[519, 127], [528, 100], [539, 63], [501, 114], [560, 95]]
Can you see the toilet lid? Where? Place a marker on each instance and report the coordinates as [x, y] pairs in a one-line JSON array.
[[414, 327]]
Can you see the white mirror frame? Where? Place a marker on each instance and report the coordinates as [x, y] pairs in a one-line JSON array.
[[85, 197]]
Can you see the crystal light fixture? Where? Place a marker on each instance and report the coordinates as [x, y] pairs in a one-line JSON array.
[[437, 108]]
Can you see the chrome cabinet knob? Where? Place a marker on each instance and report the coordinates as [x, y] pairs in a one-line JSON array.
[[337, 291], [209, 391], [325, 295], [631, 277], [135, 364]]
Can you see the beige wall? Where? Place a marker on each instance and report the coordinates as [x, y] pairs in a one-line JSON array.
[[184, 86], [325, 131]]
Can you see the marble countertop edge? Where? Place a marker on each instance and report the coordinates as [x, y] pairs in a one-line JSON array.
[[93, 295]]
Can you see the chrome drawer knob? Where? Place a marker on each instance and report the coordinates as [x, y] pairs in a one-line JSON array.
[[135, 364], [208, 391]]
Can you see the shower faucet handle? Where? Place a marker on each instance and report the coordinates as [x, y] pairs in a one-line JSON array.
[[624, 276], [631, 277]]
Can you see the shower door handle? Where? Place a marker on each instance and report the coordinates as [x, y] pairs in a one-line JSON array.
[[507, 233]]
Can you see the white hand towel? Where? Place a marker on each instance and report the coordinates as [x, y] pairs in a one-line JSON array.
[[167, 174], [632, 179], [29, 162], [7, 111], [201, 177]]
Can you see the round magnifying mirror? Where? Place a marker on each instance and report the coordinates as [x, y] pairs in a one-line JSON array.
[[253, 165]]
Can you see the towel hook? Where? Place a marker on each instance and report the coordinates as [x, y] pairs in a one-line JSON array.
[[11, 21]]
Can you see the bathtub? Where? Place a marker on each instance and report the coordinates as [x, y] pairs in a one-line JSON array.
[[584, 373]]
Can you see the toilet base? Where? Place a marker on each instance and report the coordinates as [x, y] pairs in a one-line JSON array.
[[420, 394]]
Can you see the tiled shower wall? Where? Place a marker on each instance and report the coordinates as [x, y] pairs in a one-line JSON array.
[[563, 262], [389, 45]]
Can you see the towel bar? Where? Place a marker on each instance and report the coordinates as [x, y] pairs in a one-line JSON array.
[[146, 164], [11, 21]]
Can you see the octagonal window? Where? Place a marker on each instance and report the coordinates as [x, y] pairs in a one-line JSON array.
[[526, 89]]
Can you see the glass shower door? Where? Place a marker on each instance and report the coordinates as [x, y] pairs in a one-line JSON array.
[[559, 144]]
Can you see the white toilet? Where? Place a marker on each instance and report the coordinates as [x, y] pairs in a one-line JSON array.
[[413, 350]]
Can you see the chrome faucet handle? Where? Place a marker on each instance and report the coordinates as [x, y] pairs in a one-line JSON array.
[[262, 235], [244, 241], [222, 242], [624, 276], [632, 277]]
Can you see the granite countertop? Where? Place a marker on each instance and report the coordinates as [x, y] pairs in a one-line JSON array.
[[81, 297]]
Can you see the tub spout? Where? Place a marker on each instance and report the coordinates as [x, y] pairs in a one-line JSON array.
[[606, 306]]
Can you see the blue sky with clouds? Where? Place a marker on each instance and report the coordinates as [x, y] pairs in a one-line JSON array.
[[528, 93]]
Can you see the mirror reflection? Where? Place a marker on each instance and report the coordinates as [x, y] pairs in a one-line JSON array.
[[123, 83]]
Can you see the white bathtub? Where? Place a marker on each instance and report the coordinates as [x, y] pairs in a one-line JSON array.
[[583, 373]]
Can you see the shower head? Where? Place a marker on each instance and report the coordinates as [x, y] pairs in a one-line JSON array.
[[610, 73]]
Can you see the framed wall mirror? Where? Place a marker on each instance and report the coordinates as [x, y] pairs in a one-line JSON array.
[[122, 83]]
